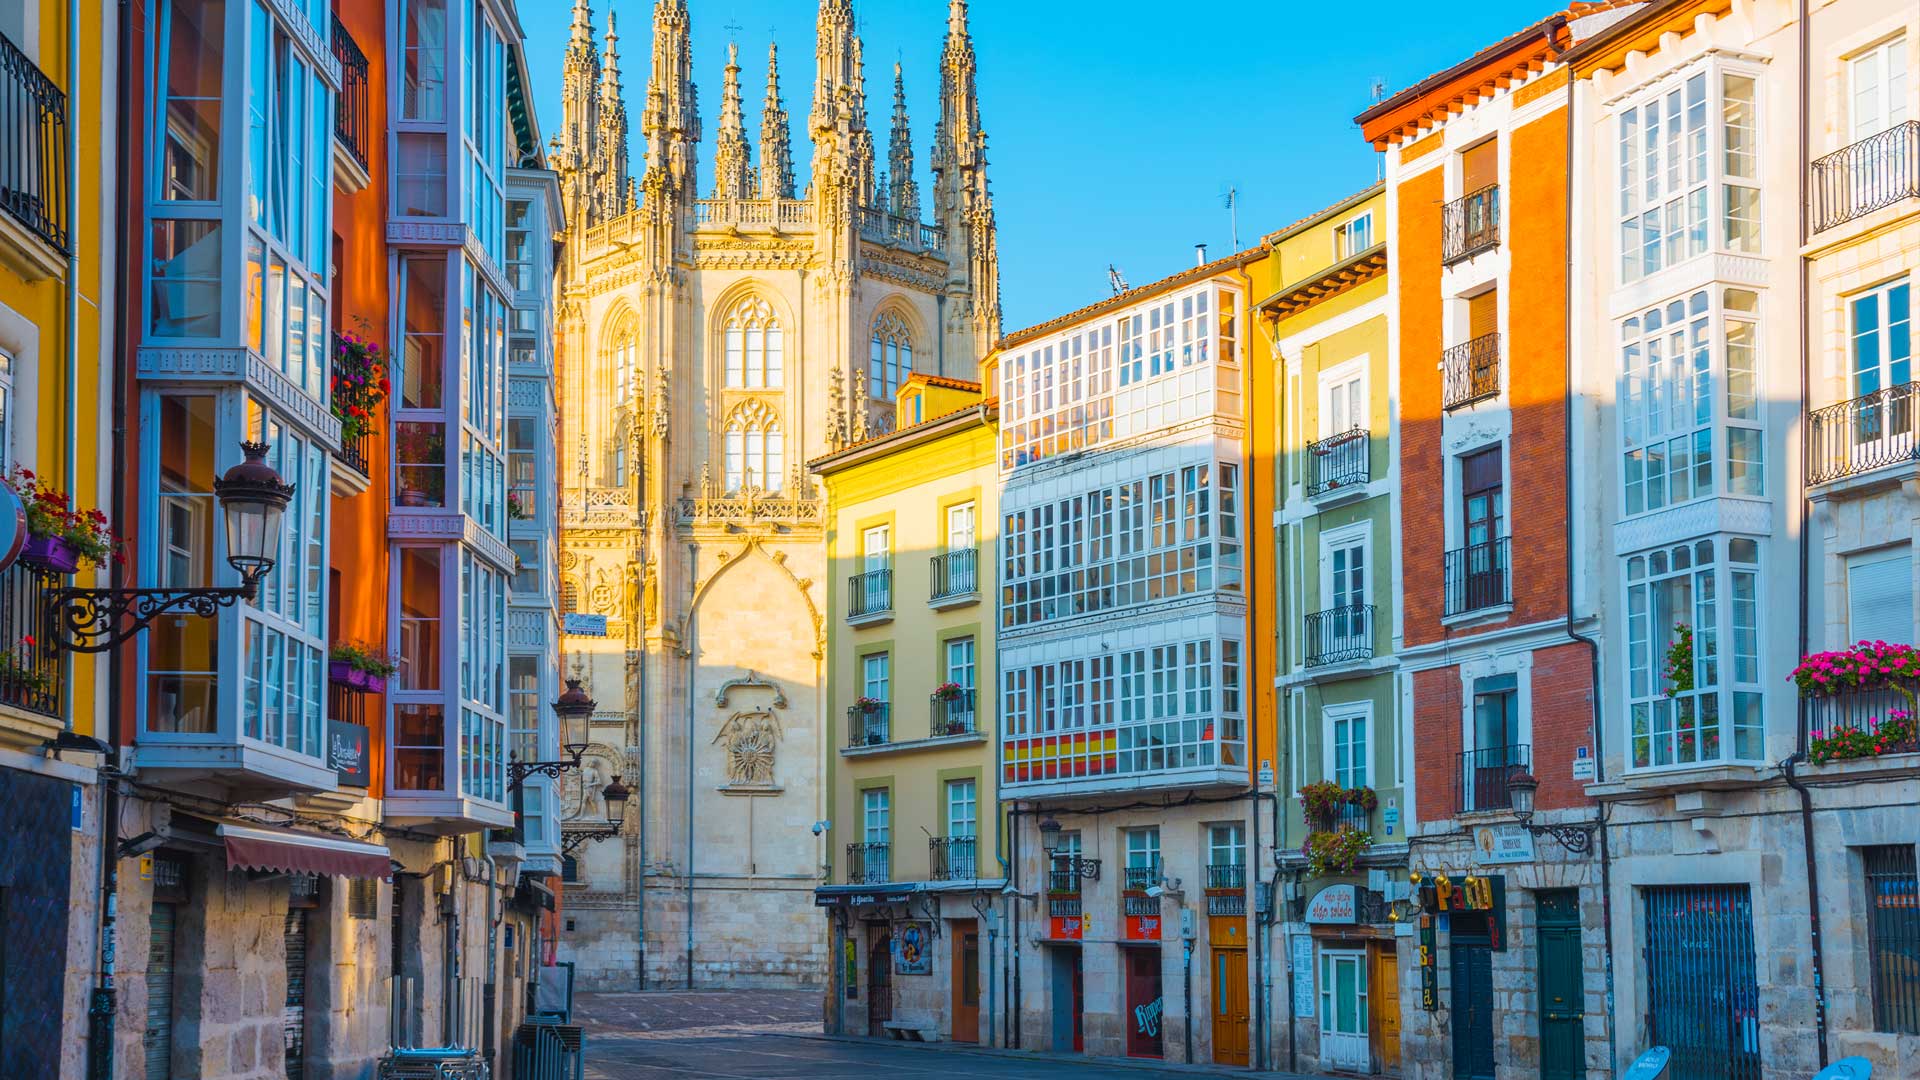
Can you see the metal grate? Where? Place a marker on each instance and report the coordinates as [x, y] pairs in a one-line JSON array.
[[1470, 371], [1476, 577], [952, 716], [955, 573], [31, 675], [869, 864], [869, 726], [1893, 936], [1470, 224], [1482, 778], [1339, 461], [350, 111], [870, 593], [1339, 635], [1703, 999], [1857, 436], [951, 858]]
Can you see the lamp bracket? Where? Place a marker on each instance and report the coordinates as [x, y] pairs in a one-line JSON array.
[[1576, 838], [519, 771], [95, 620], [571, 840]]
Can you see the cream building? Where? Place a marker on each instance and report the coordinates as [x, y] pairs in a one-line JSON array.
[[714, 334]]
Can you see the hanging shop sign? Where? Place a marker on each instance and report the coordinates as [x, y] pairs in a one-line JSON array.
[[1429, 965], [575, 625], [1335, 905], [1068, 927], [1143, 928], [347, 746]]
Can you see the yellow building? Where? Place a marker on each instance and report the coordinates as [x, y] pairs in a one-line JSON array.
[[57, 176], [910, 824]]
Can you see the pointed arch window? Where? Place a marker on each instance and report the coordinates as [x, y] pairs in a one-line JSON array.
[[891, 359], [756, 347], [623, 358], [756, 450]]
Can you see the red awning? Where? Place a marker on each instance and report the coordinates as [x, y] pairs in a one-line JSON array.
[[256, 848]]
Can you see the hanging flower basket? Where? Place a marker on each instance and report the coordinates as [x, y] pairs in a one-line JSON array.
[[60, 538], [50, 553], [360, 667], [1335, 852]]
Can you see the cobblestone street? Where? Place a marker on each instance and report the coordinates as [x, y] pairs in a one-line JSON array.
[[774, 1035]]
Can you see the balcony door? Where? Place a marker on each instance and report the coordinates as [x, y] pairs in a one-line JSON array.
[[1496, 742], [1346, 625], [878, 558], [1343, 1010], [1877, 89], [960, 538], [1880, 334], [1483, 504]]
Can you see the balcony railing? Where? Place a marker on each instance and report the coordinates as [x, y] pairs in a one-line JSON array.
[[1339, 461], [30, 673], [350, 109], [870, 593], [1340, 816], [1066, 872], [1477, 577], [956, 573], [1859, 436], [33, 148], [1875, 172], [1470, 224], [951, 858], [869, 864], [1470, 372], [869, 726], [952, 716], [1482, 780], [1861, 710], [1226, 875], [1226, 889], [1340, 635], [1140, 878]]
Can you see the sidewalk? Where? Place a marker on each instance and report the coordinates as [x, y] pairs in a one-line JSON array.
[[1143, 1065]]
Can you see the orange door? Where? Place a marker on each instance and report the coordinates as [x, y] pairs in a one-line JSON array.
[[966, 982], [1230, 1006], [1385, 1004]]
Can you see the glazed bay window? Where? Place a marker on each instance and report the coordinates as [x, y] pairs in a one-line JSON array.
[[1693, 640], [483, 638], [483, 470], [1689, 179], [419, 107], [450, 697], [484, 130], [1689, 396]]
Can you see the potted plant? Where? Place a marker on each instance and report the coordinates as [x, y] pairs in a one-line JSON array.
[[1335, 852], [359, 382], [60, 537], [517, 510], [948, 691], [868, 705], [420, 479], [1679, 669], [359, 666], [18, 676]]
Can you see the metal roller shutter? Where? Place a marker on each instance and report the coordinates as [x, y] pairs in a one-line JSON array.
[[158, 1040]]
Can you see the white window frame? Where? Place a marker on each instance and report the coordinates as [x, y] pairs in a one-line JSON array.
[[1345, 246], [876, 820], [965, 671], [1739, 594], [1892, 106], [1341, 377], [876, 675], [962, 794], [1885, 362], [1228, 839], [1358, 535], [963, 526], [1349, 713]]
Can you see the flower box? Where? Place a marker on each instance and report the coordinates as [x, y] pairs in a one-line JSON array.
[[345, 674], [50, 553]]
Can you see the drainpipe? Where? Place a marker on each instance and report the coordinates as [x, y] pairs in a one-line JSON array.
[[71, 463], [1806, 560], [1597, 719], [693, 667], [1186, 978]]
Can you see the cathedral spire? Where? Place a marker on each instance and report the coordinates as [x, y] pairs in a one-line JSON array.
[[732, 158], [580, 95], [963, 199], [776, 146], [611, 133], [833, 70], [904, 195], [672, 119], [861, 165]]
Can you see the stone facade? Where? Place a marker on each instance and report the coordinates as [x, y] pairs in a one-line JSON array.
[[711, 342]]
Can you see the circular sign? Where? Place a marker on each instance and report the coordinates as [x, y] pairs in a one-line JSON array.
[[13, 525]]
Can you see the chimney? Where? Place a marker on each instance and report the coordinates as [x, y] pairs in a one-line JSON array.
[[1199, 254]]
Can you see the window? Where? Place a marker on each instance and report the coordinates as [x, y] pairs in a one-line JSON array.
[[1353, 237], [1670, 374], [875, 677], [877, 820], [1877, 89], [960, 528], [1226, 845], [890, 360], [1672, 182], [1347, 745], [523, 707], [1343, 399], [526, 575], [1880, 596], [879, 556], [420, 606], [363, 898], [182, 661], [1482, 497], [520, 250], [419, 747], [283, 687], [1893, 935], [423, 94], [1678, 623], [960, 662], [756, 347], [570, 875], [962, 808], [1143, 853], [523, 464], [1880, 329], [1346, 563], [7, 420], [756, 450]]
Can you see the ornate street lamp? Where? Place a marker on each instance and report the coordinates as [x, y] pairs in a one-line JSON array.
[[253, 499], [1064, 864], [616, 795], [1049, 835], [1577, 838], [573, 710]]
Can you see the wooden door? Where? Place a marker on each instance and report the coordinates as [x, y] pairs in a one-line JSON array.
[[1472, 1008], [1230, 1003], [966, 982], [879, 980], [1144, 1003], [1344, 1010], [1562, 1009], [1385, 1004]]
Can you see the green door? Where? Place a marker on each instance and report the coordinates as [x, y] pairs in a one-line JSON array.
[[1562, 1011]]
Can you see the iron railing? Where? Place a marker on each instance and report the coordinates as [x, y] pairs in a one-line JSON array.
[[1470, 372], [1477, 577], [1139, 904], [1345, 815], [869, 725], [546, 1051], [1065, 872], [30, 668], [1339, 461], [1141, 878], [1833, 715], [952, 716], [33, 147], [1340, 635], [350, 123], [1893, 936], [1858, 436], [951, 858], [955, 573], [1470, 224], [1875, 172], [1064, 906], [1226, 875], [353, 451], [870, 593], [1226, 889], [1482, 779], [869, 864]]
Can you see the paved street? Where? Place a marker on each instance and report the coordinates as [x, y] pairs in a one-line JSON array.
[[774, 1035]]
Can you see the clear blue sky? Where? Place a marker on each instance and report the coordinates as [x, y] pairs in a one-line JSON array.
[[1113, 126]]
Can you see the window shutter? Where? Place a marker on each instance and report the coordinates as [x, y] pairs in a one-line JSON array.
[[1483, 314], [1880, 598], [1480, 166]]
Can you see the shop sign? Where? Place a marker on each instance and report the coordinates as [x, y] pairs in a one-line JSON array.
[[1499, 845], [1068, 927], [913, 949], [1334, 905], [1143, 928], [1429, 965], [826, 899], [347, 753], [575, 625], [1302, 975]]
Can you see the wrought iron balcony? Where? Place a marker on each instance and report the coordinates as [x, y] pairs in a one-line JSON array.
[[1858, 711], [869, 725], [1340, 635], [1064, 906], [1481, 779], [1141, 878], [1870, 432], [350, 123], [952, 716], [1470, 372], [1470, 225], [869, 594], [954, 574], [31, 675], [1477, 576], [869, 864], [33, 153], [1066, 872], [1139, 904], [1339, 461], [951, 858], [1875, 172], [1340, 816], [1226, 875]]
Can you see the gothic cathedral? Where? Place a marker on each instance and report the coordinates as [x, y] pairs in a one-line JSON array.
[[712, 340]]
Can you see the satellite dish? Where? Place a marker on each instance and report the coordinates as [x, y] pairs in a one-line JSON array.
[[13, 525]]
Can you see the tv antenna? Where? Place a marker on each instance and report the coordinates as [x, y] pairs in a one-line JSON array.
[[1230, 199], [1114, 279]]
